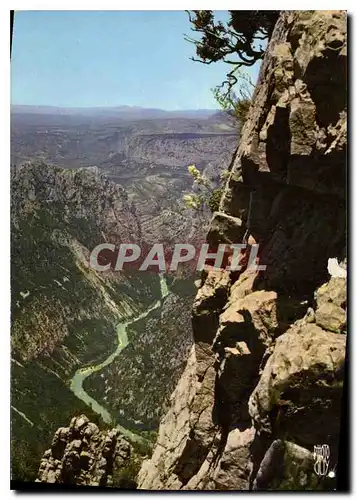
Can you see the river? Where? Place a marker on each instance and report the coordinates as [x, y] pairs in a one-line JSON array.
[[77, 380]]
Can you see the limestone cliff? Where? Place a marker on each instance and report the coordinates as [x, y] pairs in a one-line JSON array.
[[264, 380]]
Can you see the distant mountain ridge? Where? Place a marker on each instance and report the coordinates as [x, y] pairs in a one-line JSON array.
[[123, 112], [148, 157]]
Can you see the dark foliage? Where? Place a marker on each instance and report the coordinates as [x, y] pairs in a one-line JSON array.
[[236, 42], [215, 199]]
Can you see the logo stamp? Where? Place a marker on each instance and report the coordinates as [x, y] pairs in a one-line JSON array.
[[322, 459]]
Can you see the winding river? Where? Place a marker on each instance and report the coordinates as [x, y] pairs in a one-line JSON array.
[[81, 374]]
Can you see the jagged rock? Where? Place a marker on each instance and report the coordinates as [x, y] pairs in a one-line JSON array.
[[301, 382], [159, 472], [225, 229], [91, 429], [236, 197], [235, 465], [274, 388], [247, 328], [254, 314], [334, 291], [206, 308], [82, 454], [281, 143], [243, 286], [78, 423], [331, 305], [213, 292], [295, 255], [59, 442], [330, 317], [286, 466]]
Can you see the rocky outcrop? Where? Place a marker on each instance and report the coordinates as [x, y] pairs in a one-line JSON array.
[[81, 454], [264, 382], [286, 466]]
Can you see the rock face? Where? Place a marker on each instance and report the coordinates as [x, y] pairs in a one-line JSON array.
[[81, 454], [264, 381]]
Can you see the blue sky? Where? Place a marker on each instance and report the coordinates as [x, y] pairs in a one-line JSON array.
[[109, 58]]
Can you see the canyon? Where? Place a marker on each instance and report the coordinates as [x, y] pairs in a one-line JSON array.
[[231, 380]]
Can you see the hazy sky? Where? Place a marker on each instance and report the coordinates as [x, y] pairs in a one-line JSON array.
[[109, 58]]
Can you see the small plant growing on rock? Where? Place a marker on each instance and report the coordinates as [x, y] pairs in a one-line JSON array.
[[206, 195]]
